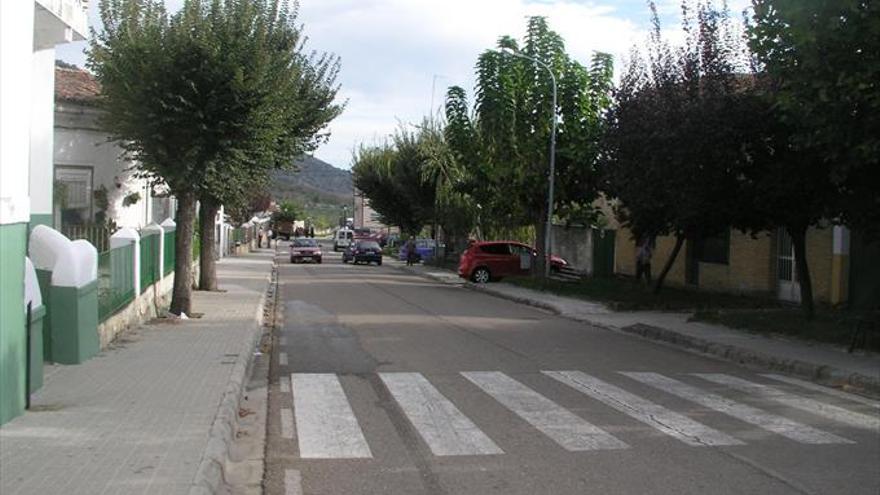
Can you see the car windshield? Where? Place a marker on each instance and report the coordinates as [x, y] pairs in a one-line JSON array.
[[305, 243], [423, 243], [369, 245]]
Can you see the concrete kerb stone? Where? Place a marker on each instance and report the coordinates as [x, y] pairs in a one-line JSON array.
[[210, 473], [819, 373]]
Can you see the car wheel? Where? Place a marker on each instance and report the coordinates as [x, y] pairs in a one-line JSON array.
[[379, 263], [318, 261], [481, 275], [292, 260]]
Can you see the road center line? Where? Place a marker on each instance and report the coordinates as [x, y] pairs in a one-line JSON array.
[[777, 424], [669, 422], [292, 482], [796, 401], [443, 427], [286, 423], [326, 426], [567, 429]]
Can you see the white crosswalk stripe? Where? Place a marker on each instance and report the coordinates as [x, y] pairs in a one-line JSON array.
[[669, 422], [810, 405], [825, 390], [326, 426], [567, 429], [443, 427], [770, 422]]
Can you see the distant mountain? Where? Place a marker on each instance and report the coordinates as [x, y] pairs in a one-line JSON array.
[[316, 182]]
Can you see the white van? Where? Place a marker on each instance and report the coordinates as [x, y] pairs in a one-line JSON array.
[[342, 239]]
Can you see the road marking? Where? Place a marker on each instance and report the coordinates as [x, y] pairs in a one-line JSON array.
[[286, 423], [796, 401], [443, 427], [825, 390], [282, 358], [292, 482], [570, 431], [284, 383], [326, 426], [669, 422], [282, 341], [777, 424]]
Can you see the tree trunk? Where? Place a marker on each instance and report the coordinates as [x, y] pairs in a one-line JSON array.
[[181, 296], [207, 263], [799, 242], [679, 241]]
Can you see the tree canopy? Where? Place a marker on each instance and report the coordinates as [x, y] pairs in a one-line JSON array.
[[210, 98]]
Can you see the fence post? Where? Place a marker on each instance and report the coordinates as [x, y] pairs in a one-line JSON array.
[[124, 237]]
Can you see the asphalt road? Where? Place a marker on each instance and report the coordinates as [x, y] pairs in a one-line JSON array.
[[386, 383]]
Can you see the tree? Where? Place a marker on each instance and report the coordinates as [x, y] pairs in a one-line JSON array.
[[512, 122], [672, 151], [392, 177], [823, 57], [288, 211], [208, 100]]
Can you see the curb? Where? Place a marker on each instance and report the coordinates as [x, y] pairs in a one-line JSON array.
[[819, 373], [209, 475]]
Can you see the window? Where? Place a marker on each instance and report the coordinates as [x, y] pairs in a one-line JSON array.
[[496, 249], [74, 194], [715, 249]]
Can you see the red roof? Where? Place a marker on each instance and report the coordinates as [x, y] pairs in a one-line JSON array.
[[75, 85]]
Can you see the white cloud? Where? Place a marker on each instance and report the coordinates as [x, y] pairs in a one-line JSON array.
[[391, 50]]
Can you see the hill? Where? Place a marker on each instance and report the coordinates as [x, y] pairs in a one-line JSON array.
[[315, 183]]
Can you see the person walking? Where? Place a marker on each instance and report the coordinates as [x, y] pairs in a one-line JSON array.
[[411, 255], [643, 260]]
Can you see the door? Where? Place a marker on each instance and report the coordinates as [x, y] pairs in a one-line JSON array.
[[787, 286], [498, 259]]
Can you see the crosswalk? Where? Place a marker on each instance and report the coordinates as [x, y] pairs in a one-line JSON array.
[[327, 427]]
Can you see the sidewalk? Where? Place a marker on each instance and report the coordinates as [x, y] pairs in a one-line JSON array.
[[149, 414], [819, 362]]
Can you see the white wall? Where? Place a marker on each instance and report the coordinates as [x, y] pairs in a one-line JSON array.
[[78, 142], [41, 121], [16, 48]]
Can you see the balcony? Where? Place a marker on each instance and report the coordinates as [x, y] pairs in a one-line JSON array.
[[59, 21]]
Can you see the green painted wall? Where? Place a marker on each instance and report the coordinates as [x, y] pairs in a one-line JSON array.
[[42, 219], [74, 323], [13, 342]]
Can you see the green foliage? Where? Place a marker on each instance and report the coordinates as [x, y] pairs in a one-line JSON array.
[[823, 57], [673, 153], [504, 146], [288, 212], [395, 178]]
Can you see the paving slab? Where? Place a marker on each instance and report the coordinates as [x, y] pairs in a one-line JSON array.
[[142, 416]]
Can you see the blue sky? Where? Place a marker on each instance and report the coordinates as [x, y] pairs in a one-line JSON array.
[[393, 51]]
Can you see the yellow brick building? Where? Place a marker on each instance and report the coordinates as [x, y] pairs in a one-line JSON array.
[[739, 263]]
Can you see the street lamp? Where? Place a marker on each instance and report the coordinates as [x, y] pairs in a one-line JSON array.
[[549, 226]]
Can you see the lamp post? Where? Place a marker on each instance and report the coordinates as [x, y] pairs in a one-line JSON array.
[[549, 226]]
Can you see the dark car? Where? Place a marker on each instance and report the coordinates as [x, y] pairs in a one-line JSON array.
[[304, 248], [492, 260], [365, 251]]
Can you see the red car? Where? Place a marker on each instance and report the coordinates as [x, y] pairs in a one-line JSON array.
[[305, 248], [492, 260]]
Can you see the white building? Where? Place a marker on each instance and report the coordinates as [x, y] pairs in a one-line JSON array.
[[29, 32], [96, 184]]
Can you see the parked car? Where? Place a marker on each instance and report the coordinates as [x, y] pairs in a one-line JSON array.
[[305, 248], [493, 260], [424, 250], [342, 239], [364, 251]]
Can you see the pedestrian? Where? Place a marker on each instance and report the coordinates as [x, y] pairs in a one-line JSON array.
[[643, 259], [269, 238], [411, 254]]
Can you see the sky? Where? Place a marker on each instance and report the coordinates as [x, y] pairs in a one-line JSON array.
[[399, 56]]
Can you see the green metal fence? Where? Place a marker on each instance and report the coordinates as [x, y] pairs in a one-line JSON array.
[[170, 251], [115, 280], [150, 268]]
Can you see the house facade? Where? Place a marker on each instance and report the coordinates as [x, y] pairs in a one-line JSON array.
[[840, 264], [29, 32]]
